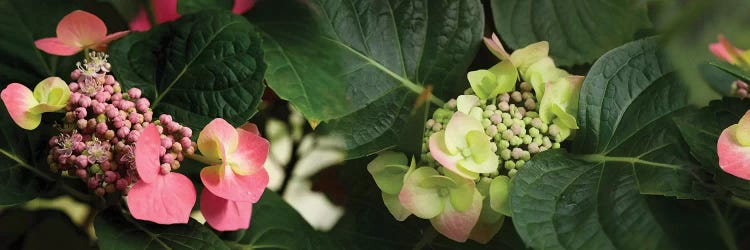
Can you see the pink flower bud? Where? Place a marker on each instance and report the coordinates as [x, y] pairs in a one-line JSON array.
[[81, 123], [74, 98], [133, 118], [101, 128], [148, 116], [82, 173], [91, 125], [134, 93], [100, 191], [123, 132], [99, 108], [122, 184], [110, 176], [142, 105], [186, 132], [93, 182], [109, 89], [109, 79], [84, 101], [173, 127], [82, 161], [79, 146], [180, 157], [102, 97], [137, 126], [164, 119], [177, 147], [116, 97], [105, 165], [166, 142], [162, 151], [133, 136], [80, 112], [186, 143], [167, 158], [75, 74], [74, 86], [166, 168]]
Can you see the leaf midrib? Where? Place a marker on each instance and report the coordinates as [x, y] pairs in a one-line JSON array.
[[189, 64]]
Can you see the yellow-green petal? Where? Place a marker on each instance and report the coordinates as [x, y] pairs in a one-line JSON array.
[[500, 195], [388, 171]]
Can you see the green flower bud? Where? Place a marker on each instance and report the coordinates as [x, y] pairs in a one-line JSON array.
[[556, 145], [519, 163], [510, 165], [505, 154], [515, 141], [503, 144], [534, 132], [526, 155], [512, 173], [526, 139], [532, 114]]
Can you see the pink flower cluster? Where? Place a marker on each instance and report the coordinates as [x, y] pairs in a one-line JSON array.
[[102, 124]]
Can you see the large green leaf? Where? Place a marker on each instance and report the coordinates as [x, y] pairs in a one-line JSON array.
[[579, 31], [358, 65], [116, 230], [627, 146], [276, 225], [701, 130], [192, 6], [20, 180], [25, 21], [200, 67]]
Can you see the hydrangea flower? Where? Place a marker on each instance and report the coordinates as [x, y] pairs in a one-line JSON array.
[[238, 178], [733, 148], [451, 203], [77, 31], [160, 196], [464, 148], [166, 11], [389, 171], [26, 107]]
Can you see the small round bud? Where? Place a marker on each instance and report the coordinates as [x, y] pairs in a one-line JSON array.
[[134, 93], [504, 97], [525, 86], [75, 74], [510, 165], [100, 191], [84, 101], [496, 118], [166, 168]]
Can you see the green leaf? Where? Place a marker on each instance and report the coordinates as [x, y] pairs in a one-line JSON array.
[[191, 6], [740, 73], [359, 65], [203, 66], [116, 230], [276, 225], [18, 180], [41, 229], [25, 21], [701, 130], [627, 146], [579, 31]]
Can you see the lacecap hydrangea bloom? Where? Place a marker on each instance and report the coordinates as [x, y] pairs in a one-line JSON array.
[[475, 144]]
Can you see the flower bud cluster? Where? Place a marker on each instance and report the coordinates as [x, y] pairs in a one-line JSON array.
[[101, 125], [513, 124], [739, 89]]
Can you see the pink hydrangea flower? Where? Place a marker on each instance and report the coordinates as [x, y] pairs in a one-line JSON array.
[[159, 196], [166, 11], [238, 179], [733, 148], [26, 107], [77, 31]]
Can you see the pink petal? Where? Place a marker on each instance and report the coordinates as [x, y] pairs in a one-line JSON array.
[[733, 158], [250, 127], [81, 29], [140, 21], [167, 200], [242, 6], [18, 99], [223, 182], [147, 154], [102, 45], [218, 139], [223, 214], [458, 225], [54, 46], [165, 10], [483, 232], [250, 155]]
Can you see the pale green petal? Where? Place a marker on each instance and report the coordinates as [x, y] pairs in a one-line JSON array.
[[541, 73], [742, 133], [565, 130], [423, 202], [562, 93], [500, 195], [523, 58], [456, 130], [506, 75], [479, 145], [52, 91], [476, 113], [483, 82], [394, 206], [388, 170], [464, 103], [462, 194], [437, 181]]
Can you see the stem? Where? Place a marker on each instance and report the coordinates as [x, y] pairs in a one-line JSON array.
[[47, 177], [149, 12], [725, 230], [737, 201], [86, 53], [202, 159]]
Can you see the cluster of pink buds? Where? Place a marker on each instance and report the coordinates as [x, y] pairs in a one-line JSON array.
[[102, 124], [739, 89]]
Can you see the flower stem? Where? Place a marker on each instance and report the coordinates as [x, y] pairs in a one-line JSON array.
[[725, 230], [202, 159], [47, 177]]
